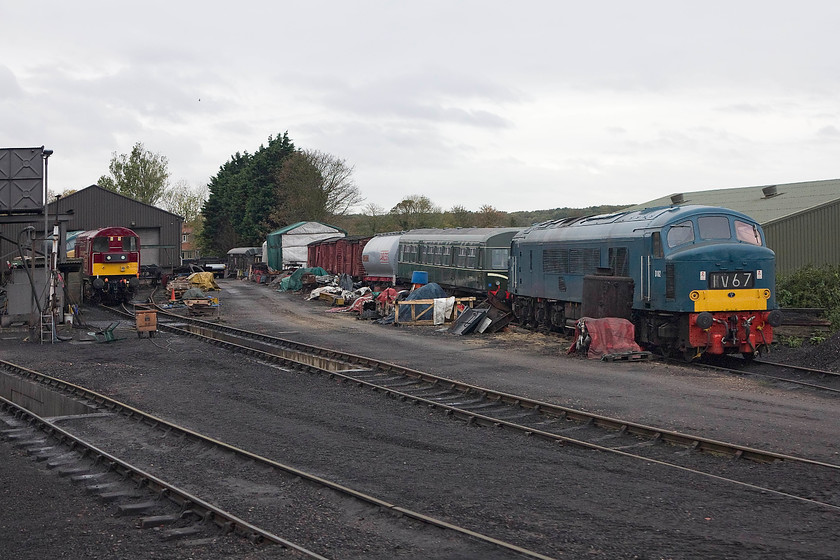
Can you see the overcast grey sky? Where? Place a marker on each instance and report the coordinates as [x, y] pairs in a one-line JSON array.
[[525, 106]]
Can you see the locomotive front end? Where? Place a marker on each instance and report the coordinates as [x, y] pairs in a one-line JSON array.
[[726, 287]]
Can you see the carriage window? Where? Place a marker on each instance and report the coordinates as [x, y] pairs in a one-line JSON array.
[[714, 227], [129, 243], [447, 255], [747, 232], [498, 259], [100, 245], [461, 257], [680, 233], [472, 259]]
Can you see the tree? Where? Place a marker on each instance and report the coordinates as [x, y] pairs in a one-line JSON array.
[[416, 211], [314, 185], [186, 201], [242, 196], [336, 187], [373, 219], [141, 175], [487, 216], [459, 216]]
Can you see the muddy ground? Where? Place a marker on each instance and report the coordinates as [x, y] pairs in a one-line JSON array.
[[563, 503]]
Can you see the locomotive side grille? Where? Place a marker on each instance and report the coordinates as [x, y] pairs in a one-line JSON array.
[[584, 261], [556, 261], [561, 283], [670, 281]]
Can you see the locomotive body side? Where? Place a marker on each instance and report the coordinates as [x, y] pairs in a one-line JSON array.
[[111, 264], [702, 279]]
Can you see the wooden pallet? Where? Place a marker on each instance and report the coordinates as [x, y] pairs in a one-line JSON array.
[[627, 357]]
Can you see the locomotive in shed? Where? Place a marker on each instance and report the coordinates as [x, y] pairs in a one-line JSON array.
[[692, 279], [110, 264]]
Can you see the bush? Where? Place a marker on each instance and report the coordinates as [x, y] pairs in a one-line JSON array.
[[812, 286]]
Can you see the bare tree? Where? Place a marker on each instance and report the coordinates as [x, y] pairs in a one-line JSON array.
[[339, 191], [487, 216], [416, 211], [313, 185], [186, 201]]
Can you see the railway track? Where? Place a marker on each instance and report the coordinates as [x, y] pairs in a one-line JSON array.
[[823, 381], [698, 455], [123, 443]]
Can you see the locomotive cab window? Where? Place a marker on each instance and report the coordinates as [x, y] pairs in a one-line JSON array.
[[680, 234], [747, 233], [129, 243], [100, 245], [656, 242], [714, 227]]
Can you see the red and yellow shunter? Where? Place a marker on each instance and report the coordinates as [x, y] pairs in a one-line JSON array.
[[110, 264]]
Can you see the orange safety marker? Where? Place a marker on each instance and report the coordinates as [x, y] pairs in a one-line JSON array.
[[173, 294]]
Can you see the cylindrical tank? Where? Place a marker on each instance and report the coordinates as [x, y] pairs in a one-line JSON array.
[[380, 256]]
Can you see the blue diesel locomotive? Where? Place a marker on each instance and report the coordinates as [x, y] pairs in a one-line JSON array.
[[692, 279]]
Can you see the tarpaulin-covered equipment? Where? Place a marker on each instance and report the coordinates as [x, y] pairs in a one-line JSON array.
[[600, 338]]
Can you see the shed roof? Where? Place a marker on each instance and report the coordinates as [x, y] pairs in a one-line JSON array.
[[759, 203], [308, 226]]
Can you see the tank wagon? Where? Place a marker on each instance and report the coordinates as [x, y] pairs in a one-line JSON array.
[[692, 279], [380, 258], [471, 260], [110, 264]]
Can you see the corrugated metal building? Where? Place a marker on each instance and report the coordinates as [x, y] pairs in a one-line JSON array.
[[801, 220], [288, 246], [95, 207]]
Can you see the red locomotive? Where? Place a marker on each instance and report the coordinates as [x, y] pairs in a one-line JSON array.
[[110, 264]]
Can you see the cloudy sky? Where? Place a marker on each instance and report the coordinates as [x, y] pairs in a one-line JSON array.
[[524, 106]]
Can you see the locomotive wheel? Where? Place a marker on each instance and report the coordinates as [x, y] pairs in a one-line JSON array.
[[690, 354]]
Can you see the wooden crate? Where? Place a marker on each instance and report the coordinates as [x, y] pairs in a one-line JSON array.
[[425, 307], [146, 321]]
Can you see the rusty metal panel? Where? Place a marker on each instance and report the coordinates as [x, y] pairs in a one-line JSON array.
[[21, 180]]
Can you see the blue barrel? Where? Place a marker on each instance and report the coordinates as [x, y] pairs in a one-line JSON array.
[[420, 277]]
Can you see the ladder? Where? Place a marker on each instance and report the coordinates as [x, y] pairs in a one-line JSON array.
[[47, 326]]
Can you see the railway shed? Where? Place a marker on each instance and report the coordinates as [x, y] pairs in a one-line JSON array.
[[95, 207], [288, 246], [801, 220]]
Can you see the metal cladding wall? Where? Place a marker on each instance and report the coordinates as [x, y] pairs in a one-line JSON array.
[[95, 207], [808, 238]]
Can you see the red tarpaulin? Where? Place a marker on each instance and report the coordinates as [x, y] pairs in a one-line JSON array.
[[609, 335]]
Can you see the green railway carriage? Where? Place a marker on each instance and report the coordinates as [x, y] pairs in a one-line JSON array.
[[467, 259]]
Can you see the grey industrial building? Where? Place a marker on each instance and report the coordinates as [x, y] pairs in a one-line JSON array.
[[95, 207], [801, 220]]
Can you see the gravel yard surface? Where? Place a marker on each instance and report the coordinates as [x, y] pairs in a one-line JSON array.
[[560, 501]]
